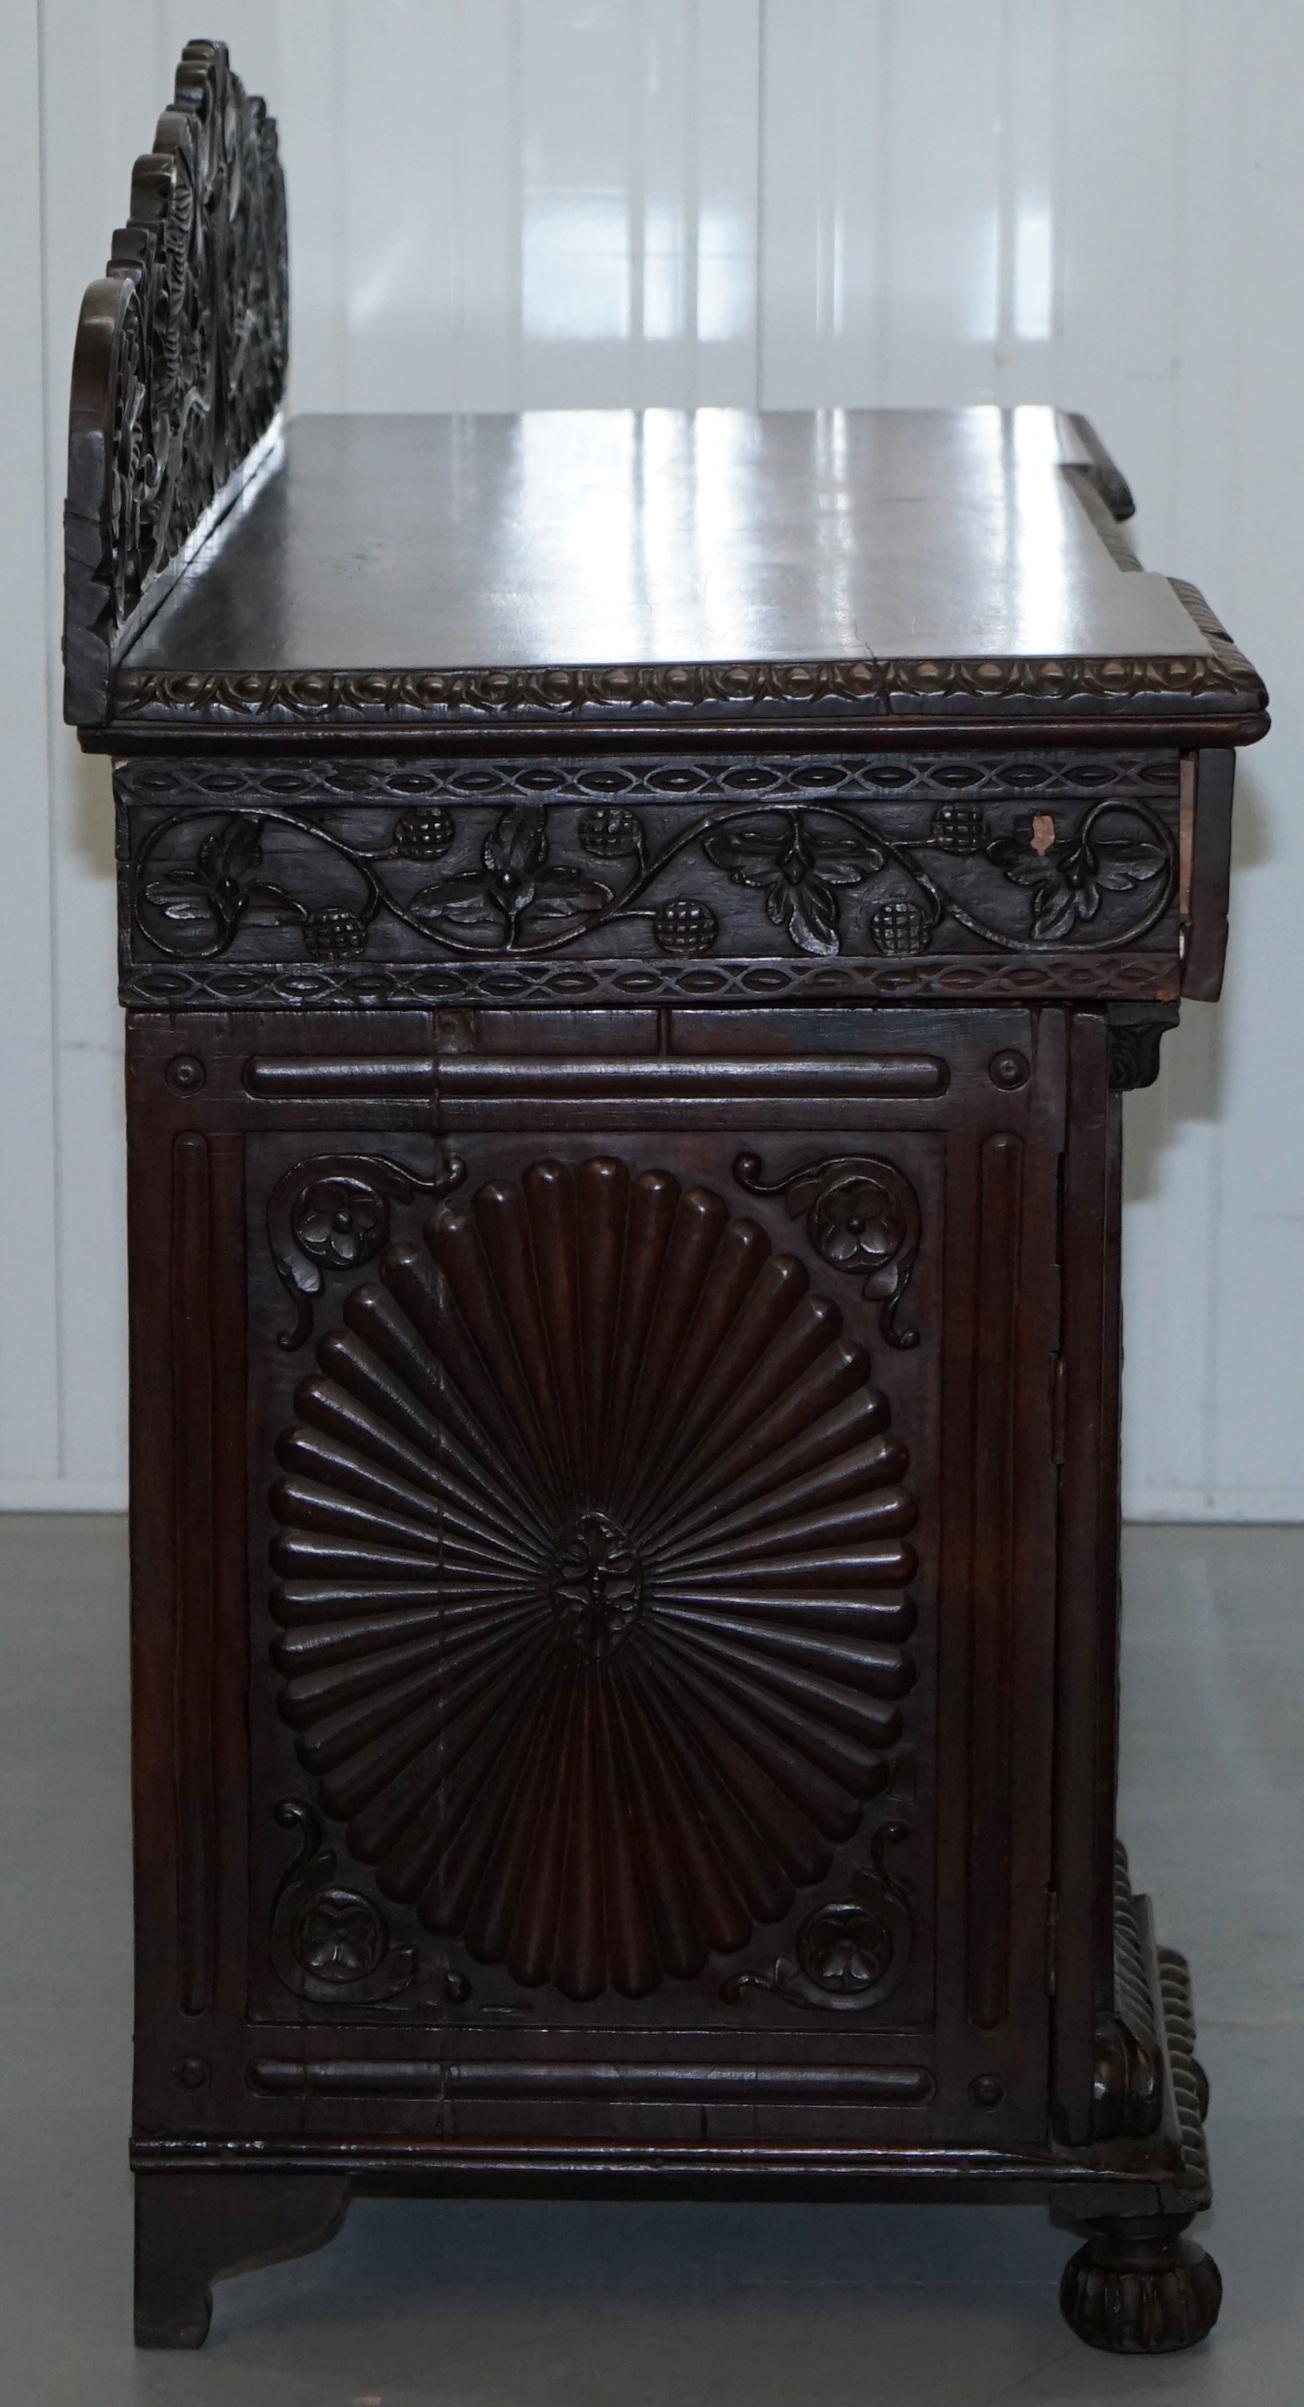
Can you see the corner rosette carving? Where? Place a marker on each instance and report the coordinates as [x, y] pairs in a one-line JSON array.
[[329, 1943], [332, 1213], [852, 1952], [862, 1217]]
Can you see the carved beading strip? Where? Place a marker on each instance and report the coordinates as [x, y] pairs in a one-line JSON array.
[[1189, 2088], [1127, 2085], [180, 362], [1218, 680]]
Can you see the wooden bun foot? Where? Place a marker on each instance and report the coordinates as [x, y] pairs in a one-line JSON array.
[[1141, 2289]]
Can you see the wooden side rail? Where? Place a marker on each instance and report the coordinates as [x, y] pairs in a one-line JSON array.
[[179, 366]]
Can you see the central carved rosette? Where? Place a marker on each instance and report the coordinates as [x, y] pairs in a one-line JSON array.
[[597, 1585], [591, 1580]]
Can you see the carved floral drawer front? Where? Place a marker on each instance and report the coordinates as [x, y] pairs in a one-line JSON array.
[[745, 878]]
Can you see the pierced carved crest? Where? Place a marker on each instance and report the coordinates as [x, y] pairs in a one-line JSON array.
[[180, 361]]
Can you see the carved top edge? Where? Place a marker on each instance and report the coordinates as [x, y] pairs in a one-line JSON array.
[[179, 364], [1218, 683]]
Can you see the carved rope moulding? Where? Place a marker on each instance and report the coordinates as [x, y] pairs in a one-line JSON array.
[[599, 1590]]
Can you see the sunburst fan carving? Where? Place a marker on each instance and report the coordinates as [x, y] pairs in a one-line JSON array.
[[591, 1577]]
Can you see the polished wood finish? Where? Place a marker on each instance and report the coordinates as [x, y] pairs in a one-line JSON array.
[[635, 933]]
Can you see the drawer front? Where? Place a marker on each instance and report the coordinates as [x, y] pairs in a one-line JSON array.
[[610, 1462], [753, 878]]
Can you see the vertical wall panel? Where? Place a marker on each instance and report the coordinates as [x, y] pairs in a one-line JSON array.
[[1258, 1302], [508, 203], [638, 202], [825, 203], [29, 1394]]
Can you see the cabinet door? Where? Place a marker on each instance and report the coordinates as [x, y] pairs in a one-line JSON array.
[[651, 1517]]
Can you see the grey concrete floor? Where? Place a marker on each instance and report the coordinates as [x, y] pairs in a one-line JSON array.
[[635, 2304]]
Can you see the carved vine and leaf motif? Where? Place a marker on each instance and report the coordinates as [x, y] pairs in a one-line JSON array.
[[852, 1952], [823, 878], [862, 1216], [181, 355], [331, 1212], [539, 1630]]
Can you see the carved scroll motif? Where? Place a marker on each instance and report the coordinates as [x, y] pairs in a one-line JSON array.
[[328, 1942], [331, 1213], [862, 1216], [852, 1952]]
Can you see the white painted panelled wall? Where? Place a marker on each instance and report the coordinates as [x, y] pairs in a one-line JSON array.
[[500, 203]]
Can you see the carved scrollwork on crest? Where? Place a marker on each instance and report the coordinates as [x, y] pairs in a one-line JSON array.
[[332, 1213], [180, 360], [862, 1216]]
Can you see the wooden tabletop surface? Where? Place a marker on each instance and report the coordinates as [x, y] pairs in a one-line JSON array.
[[591, 536], [870, 565]]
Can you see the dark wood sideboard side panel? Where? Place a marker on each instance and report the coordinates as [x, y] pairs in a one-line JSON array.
[[189, 1663], [983, 1294], [1213, 775], [1088, 1435]]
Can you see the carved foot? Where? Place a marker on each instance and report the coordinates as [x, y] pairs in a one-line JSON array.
[[1139, 2289], [191, 2228]]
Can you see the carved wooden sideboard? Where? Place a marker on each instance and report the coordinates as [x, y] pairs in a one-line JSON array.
[[634, 929]]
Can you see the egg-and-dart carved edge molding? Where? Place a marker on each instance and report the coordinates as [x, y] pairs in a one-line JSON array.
[[1220, 679]]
